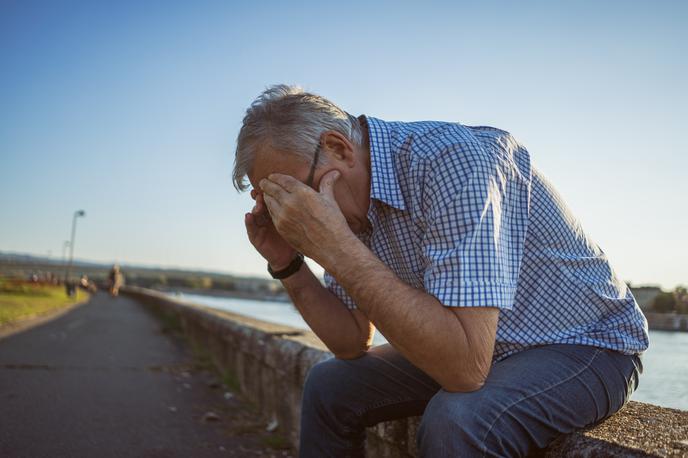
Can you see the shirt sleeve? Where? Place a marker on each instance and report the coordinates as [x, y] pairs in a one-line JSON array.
[[333, 286], [477, 219]]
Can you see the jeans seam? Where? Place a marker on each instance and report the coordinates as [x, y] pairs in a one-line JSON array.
[[597, 352]]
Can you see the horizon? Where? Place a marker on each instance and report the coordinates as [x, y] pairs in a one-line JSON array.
[[216, 272], [131, 113]]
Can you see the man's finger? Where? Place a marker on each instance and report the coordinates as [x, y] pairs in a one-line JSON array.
[[272, 189], [260, 205], [288, 182], [327, 182], [273, 205], [262, 219], [250, 225]]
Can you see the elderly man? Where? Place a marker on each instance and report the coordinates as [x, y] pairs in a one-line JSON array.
[[506, 324]]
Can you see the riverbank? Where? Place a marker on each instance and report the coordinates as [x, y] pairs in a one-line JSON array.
[[269, 362], [664, 381], [656, 321], [254, 296], [667, 321]]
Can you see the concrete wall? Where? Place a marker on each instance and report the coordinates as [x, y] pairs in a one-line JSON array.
[[270, 362]]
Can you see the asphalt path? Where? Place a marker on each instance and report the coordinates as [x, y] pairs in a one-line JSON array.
[[104, 380]]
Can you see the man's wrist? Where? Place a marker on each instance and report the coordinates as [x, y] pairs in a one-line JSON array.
[[288, 270], [282, 263]]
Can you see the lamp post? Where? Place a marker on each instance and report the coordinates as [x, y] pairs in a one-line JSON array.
[[78, 213], [65, 245]]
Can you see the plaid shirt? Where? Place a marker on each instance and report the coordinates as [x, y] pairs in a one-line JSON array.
[[459, 212]]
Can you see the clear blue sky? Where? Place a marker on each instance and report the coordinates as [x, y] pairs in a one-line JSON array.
[[131, 112]]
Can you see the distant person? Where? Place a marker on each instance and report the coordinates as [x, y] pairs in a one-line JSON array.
[[116, 279], [506, 323], [86, 284]]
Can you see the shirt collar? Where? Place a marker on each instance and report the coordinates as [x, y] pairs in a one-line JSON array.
[[384, 183]]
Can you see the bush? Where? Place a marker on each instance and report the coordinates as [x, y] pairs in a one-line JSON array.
[[664, 303]]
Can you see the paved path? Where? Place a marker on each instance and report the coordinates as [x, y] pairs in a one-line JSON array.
[[103, 380]]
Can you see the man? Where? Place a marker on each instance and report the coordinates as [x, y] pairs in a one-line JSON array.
[[506, 324]]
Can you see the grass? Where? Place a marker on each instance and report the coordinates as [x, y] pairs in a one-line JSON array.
[[231, 381], [276, 441], [171, 323], [20, 300]]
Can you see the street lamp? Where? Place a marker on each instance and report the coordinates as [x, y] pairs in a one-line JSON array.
[[78, 213], [65, 245]]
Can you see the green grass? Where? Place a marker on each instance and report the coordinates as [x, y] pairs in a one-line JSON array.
[[276, 441], [231, 381], [20, 300], [171, 323]]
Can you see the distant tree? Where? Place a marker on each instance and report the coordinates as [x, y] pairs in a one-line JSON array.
[[199, 282], [664, 303], [681, 296], [206, 283], [224, 284]]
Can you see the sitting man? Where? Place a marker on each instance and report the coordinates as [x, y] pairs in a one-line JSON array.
[[506, 324]]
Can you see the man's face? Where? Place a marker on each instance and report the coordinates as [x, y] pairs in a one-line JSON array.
[[278, 162]]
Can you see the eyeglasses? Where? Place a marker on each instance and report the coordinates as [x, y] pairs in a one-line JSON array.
[[311, 174]]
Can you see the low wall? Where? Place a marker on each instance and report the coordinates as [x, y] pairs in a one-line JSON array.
[[269, 362]]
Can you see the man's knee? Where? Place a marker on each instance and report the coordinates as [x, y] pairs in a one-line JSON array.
[[325, 383], [453, 424]]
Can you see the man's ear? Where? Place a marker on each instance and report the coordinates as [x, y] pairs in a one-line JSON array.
[[338, 147]]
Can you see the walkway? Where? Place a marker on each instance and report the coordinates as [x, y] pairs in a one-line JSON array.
[[103, 380]]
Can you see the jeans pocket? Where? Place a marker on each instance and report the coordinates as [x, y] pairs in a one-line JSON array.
[[622, 384]]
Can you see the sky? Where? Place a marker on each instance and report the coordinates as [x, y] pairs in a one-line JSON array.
[[130, 111]]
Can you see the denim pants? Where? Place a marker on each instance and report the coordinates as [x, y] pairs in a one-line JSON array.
[[528, 399]]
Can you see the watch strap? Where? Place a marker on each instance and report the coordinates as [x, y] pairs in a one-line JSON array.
[[291, 269]]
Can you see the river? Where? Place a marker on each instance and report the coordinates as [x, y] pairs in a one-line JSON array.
[[664, 380]]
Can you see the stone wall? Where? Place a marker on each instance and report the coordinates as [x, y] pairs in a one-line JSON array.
[[269, 363]]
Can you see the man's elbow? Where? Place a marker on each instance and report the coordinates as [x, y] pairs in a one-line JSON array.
[[464, 382], [351, 354]]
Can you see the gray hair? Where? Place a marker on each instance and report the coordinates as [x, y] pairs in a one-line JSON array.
[[286, 118]]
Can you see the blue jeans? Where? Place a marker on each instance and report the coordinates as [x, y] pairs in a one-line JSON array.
[[528, 399]]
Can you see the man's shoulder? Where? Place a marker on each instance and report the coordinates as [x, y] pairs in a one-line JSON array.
[[432, 139], [419, 133], [422, 150]]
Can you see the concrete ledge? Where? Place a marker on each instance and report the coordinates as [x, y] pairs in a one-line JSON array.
[[269, 363]]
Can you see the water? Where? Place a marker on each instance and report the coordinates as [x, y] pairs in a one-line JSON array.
[[664, 380]]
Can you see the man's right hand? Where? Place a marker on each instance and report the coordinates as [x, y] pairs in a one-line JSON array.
[[264, 236]]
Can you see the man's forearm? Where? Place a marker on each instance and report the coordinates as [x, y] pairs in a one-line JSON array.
[[327, 316], [414, 322]]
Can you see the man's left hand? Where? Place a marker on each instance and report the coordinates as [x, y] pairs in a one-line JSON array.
[[310, 221]]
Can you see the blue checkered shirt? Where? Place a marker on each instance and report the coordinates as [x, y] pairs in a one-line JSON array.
[[459, 212]]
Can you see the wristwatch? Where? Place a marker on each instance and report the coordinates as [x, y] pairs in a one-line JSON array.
[[292, 268]]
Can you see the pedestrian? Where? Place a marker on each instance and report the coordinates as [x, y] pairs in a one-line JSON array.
[[116, 279]]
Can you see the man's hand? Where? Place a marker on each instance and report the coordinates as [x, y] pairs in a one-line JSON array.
[[264, 237], [309, 221]]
